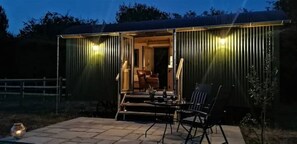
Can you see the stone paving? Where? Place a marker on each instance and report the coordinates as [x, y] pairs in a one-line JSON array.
[[109, 131]]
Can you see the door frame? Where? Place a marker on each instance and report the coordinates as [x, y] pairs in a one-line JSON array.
[[127, 49]]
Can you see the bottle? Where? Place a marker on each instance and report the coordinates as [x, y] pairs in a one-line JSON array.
[[173, 97], [164, 94]]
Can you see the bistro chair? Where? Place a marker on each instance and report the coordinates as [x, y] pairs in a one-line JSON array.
[[213, 116], [198, 99]]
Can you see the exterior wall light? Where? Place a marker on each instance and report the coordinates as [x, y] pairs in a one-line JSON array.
[[222, 41], [95, 48], [98, 49], [18, 130]]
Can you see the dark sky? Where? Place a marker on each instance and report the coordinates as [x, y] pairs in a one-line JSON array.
[[20, 11]]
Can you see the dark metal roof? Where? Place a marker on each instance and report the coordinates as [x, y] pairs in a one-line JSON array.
[[202, 21]]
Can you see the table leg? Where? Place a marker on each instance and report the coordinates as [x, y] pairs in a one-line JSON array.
[[155, 119], [167, 120], [162, 140]]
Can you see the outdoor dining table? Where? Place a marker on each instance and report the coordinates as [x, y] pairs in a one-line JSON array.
[[168, 106]]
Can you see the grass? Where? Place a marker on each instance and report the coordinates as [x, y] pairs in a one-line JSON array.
[[37, 113], [30, 121], [272, 136], [33, 114], [283, 130]]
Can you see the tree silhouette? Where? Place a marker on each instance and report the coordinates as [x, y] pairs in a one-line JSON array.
[[175, 16], [3, 23], [213, 12], [190, 14], [50, 25], [139, 12], [288, 6], [36, 50]]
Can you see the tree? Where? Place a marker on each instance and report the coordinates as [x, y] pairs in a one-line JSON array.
[[263, 92], [288, 51], [7, 43], [190, 14], [139, 12], [51, 24], [288, 6], [213, 12], [36, 50], [175, 16], [3, 23]]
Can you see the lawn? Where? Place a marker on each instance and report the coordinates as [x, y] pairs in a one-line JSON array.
[[273, 136], [282, 131], [30, 121], [35, 113]]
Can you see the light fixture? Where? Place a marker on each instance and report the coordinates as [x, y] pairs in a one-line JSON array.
[[222, 41], [18, 130], [95, 48]]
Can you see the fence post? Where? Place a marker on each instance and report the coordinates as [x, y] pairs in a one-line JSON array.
[[44, 84], [60, 88], [58, 94], [22, 84], [5, 88]]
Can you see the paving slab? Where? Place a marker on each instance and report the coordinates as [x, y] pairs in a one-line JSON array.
[[109, 131], [57, 141], [116, 132], [35, 139]]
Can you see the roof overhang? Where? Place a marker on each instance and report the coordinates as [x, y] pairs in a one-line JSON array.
[[179, 29]]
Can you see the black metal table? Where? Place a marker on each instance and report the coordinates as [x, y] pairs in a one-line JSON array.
[[168, 105]]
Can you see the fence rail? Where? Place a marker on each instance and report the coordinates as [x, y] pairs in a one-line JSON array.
[[45, 87], [42, 87]]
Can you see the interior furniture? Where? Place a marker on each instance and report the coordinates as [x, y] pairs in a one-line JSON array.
[[146, 78]]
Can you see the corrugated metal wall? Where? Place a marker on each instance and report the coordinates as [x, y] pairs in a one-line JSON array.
[[209, 61], [91, 74]]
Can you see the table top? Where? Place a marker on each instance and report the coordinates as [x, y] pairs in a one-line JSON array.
[[169, 103]]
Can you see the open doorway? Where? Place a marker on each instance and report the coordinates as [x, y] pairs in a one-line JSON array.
[[160, 65], [151, 55]]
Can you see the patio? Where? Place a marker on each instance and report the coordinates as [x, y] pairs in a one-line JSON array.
[[108, 131]]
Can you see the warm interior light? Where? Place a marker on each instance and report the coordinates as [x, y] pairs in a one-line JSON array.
[[222, 41]]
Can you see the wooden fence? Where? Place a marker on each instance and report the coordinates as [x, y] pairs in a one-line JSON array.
[[22, 88]]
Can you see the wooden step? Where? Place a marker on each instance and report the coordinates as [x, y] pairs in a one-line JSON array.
[[138, 96], [137, 104], [158, 93], [144, 96], [133, 105], [142, 113], [140, 105]]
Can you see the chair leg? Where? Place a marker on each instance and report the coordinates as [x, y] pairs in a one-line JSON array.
[[189, 133], [195, 132], [178, 127], [206, 135], [226, 141], [211, 131], [202, 136]]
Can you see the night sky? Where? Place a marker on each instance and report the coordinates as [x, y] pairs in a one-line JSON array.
[[20, 11]]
